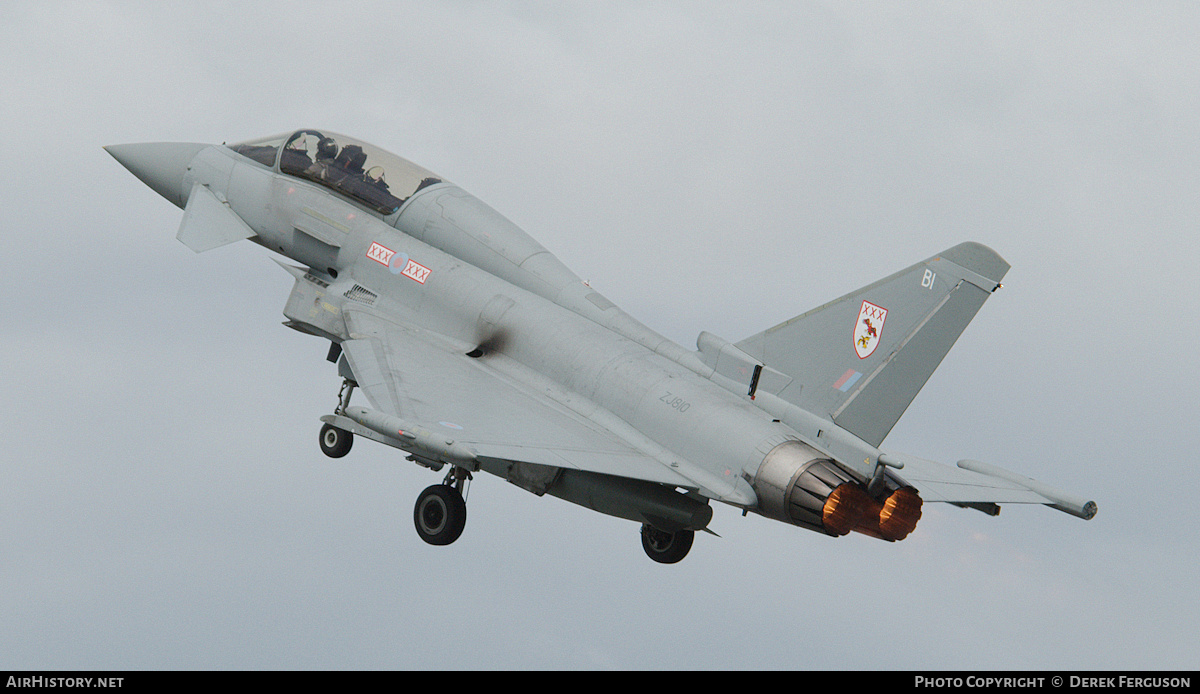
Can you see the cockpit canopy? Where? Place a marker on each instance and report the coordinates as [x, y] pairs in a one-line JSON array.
[[378, 179]]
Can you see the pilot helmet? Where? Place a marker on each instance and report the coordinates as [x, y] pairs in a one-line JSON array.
[[327, 148]]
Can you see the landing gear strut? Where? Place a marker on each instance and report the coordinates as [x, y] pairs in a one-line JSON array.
[[335, 442], [664, 547], [441, 513], [441, 510]]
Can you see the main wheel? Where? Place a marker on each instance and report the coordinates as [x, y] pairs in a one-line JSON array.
[[440, 514], [664, 547], [335, 442]]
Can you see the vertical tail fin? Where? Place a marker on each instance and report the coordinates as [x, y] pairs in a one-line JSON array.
[[861, 359]]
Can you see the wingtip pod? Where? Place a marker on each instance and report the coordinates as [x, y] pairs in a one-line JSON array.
[[1076, 506]]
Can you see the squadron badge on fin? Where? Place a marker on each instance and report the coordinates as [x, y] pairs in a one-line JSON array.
[[868, 329]]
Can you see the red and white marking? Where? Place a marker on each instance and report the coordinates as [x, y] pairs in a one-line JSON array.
[[380, 254], [868, 328], [416, 271], [386, 256]]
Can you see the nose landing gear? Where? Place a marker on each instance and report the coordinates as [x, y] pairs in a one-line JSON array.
[[335, 442]]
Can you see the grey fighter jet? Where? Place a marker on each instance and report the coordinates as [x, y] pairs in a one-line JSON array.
[[477, 349]]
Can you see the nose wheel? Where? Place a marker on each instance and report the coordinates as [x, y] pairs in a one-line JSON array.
[[335, 442]]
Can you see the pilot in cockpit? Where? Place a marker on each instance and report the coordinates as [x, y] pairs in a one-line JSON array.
[[325, 166], [375, 177]]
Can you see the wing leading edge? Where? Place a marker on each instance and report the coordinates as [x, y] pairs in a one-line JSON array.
[[430, 380]]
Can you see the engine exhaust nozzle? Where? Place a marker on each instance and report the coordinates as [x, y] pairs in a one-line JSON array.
[[799, 485]]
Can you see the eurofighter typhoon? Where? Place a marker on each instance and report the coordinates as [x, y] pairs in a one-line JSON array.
[[477, 349]]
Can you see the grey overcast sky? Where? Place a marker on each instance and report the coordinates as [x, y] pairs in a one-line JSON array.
[[706, 165]]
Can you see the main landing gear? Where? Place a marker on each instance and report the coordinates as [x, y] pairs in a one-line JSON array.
[[440, 513], [664, 547]]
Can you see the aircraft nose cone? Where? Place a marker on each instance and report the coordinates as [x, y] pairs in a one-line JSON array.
[[160, 165]]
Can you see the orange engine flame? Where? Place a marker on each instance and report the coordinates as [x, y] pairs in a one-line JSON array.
[[900, 514], [850, 508], [845, 509]]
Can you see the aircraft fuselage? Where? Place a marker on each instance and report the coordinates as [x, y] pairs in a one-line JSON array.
[[596, 357], [443, 264]]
